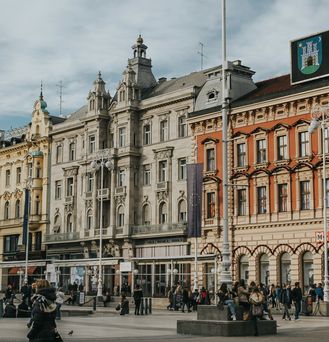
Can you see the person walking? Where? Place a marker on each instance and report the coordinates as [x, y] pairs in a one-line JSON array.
[[286, 300], [124, 305], [256, 300], [44, 327], [297, 296], [9, 293], [60, 297], [185, 299], [243, 297], [138, 296], [26, 292], [170, 296], [319, 292]]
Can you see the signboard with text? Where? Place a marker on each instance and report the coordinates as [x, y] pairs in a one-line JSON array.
[[309, 57]]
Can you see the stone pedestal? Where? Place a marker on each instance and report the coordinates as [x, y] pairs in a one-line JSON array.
[[214, 322], [324, 309]]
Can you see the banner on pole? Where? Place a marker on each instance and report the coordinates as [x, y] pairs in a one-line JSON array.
[[194, 199], [26, 216]]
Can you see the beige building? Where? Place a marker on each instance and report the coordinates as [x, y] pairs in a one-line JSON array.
[[24, 155]]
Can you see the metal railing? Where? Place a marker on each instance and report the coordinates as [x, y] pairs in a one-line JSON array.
[[158, 228], [62, 237]]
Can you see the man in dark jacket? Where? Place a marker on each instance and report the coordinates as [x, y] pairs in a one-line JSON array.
[[26, 291], [138, 295], [285, 299], [297, 296], [185, 299]]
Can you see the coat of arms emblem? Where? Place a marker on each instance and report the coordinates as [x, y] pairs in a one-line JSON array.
[[310, 54]]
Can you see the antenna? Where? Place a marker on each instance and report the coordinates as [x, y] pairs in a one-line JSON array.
[[60, 86], [202, 55]]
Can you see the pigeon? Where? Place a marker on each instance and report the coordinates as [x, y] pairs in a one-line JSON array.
[[70, 333]]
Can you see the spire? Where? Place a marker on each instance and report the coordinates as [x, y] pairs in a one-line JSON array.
[[139, 48], [41, 96]]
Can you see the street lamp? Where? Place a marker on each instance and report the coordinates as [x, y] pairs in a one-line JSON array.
[[27, 206], [320, 116], [20, 272], [99, 163]]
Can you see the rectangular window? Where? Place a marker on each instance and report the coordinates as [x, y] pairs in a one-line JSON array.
[[210, 155], [122, 136], [282, 147], [90, 182], [121, 219], [37, 207], [261, 151], [210, 205], [38, 241], [69, 188], [283, 197], [72, 151], [162, 171], [10, 243], [147, 134], [261, 199], [242, 202], [182, 127], [38, 172], [305, 195], [147, 174], [326, 140], [241, 154], [7, 177], [58, 189], [92, 144], [182, 169], [164, 130], [121, 177], [59, 153], [29, 170], [303, 144], [18, 175]]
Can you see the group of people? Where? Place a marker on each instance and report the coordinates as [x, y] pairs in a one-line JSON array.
[[181, 298]]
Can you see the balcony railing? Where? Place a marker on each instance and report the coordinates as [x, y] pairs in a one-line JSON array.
[[162, 185], [158, 229], [120, 190], [103, 193], [62, 237], [69, 199]]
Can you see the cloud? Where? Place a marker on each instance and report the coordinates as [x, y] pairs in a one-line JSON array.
[[72, 40]]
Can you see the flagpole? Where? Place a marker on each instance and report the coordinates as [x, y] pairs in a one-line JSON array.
[[27, 198], [226, 262], [195, 285]]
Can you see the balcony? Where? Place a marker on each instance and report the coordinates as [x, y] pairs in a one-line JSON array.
[[162, 186], [120, 190], [158, 229], [103, 194], [62, 237]]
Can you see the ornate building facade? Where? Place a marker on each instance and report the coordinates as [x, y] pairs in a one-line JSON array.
[[275, 169]]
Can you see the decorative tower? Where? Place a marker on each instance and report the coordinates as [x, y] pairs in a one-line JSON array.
[[98, 98]]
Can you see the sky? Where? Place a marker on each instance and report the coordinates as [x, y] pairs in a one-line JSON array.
[[71, 40]]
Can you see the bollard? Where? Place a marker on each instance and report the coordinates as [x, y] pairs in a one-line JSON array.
[[146, 306], [94, 303], [1, 308], [142, 307], [150, 305]]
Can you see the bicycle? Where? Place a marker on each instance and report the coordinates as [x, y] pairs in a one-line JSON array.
[[317, 309]]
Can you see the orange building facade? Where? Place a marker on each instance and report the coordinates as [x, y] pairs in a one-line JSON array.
[[275, 172]]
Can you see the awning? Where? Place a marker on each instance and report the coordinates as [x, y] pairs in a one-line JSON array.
[[30, 270]]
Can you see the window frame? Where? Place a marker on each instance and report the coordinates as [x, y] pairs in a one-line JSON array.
[[261, 200]]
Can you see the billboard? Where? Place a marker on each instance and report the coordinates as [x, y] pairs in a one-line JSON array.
[[309, 57]]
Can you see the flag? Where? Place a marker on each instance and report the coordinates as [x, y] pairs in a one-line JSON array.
[[194, 195], [26, 216]]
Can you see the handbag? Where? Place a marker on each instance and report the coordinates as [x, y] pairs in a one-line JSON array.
[[257, 310], [118, 307]]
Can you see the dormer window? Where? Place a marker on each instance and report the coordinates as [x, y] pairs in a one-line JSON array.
[[212, 95]]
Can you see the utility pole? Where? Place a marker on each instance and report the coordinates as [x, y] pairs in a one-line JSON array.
[[202, 55], [60, 86]]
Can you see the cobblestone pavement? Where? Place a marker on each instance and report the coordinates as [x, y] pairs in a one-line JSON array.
[[160, 327]]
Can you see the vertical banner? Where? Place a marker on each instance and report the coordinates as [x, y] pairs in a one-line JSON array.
[[194, 195], [26, 216]]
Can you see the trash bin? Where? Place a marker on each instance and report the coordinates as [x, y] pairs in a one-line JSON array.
[[307, 306]]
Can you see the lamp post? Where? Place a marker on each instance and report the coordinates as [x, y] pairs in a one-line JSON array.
[[99, 163], [135, 274], [20, 272], [27, 205], [320, 116]]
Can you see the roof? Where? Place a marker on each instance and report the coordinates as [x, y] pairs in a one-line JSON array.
[[197, 78], [56, 119], [79, 114], [269, 89]]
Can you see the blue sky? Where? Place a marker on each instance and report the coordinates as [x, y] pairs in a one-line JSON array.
[[71, 40]]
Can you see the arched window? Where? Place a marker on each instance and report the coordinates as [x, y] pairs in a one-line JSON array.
[[121, 216], [69, 223], [308, 271], [163, 213], [264, 273], [285, 263], [182, 212], [244, 268], [89, 219], [57, 224], [17, 209], [72, 151], [146, 214], [6, 213]]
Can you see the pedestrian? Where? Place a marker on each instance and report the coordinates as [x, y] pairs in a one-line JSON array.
[[106, 298], [256, 300], [26, 292], [170, 296], [286, 301], [319, 292], [203, 296], [60, 297], [272, 295], [278, 290], [297, 296], [225, 297], [185, 299], [243, 296], [195, 299], [312, 292], [124, 306], [138, 297], [9, 293], [44, 313]]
